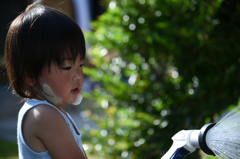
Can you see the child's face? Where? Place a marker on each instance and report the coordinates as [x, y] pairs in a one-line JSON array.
[[66, 81]]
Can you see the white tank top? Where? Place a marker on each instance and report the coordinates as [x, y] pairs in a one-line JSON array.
[[24, 151]]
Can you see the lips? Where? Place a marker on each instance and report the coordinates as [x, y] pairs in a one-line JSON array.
[[75, 91]]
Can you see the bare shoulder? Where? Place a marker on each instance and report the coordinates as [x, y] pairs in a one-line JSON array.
[[42, 113], [43, 119], [46, 124], [34, 122], [41, 110]]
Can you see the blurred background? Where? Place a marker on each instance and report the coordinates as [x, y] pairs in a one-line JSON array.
[[154, 67]]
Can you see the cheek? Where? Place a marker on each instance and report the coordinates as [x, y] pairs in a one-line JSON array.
[[82, 79], [61, 86]]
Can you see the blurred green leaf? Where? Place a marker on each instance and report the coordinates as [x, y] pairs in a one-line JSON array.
[[161, 66]]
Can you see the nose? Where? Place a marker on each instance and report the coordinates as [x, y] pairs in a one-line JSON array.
[[78, 74]]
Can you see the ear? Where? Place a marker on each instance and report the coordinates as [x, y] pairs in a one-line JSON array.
[[29, 81]]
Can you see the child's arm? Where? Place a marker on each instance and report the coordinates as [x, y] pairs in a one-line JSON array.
[[44, 127]]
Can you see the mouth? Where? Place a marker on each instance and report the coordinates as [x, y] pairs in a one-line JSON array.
[[75, 91]]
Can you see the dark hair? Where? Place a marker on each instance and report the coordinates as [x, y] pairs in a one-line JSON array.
[[36, 38]]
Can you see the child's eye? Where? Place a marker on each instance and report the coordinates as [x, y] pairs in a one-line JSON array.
[[81, 65], [66, 68]]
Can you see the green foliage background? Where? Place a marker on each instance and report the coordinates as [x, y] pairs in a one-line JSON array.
[[162, 66]]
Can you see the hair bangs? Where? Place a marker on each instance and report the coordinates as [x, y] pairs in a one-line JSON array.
[[67, 40], [72, 46]]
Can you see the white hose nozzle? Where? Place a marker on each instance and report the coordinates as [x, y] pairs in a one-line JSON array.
[[186, 141]]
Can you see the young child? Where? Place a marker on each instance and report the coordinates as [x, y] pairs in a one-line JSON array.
[[44, 53]]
